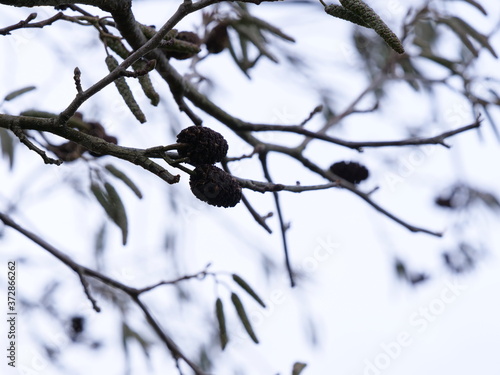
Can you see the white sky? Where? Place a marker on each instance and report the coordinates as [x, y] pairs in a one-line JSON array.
[[362, 315]]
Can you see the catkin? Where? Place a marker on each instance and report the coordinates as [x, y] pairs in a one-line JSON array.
[[343, 13], [125, 91], [373, 21]]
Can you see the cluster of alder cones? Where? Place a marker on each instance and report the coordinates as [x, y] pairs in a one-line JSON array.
[[204, 147]]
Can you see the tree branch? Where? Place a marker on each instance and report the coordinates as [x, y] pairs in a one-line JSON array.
[[283, 226], [95, 144], [358, 145], [366, 197], [85, 271]]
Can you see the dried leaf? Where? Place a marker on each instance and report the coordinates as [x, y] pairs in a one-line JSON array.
[[240, 310], [219, 312], [15, 94], [243, 284], [122, 176]]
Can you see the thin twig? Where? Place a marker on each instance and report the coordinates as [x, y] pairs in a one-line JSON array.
[[86, 289], [198, 275], [261, 220], [366, 197], [283, 227], [24, 140], [315, 111], [358, 145], [19, 25], [263, 187]]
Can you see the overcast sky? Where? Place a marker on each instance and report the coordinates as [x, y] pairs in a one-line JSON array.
[[364, 320]]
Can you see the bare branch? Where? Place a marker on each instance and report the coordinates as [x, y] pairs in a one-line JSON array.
[[86, 288], [84, 271], [366, 197], [198, 275], [358, 145], [19, 25], [283, 227]]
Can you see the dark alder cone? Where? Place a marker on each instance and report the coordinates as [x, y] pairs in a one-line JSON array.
[[350, 171], [186, 36], [214, 186], [202, 145], [217, 39], [444, 202], [97, 130], [69, 151]]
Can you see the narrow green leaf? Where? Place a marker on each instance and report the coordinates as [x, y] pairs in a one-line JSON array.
[[130, 334], [240, 310], [113, 205], [298, 367], [410, 71], [440, 60], [242, 283], [460, 32], [219, 312], [492, 122], [122, 176], [7, 144], [119, 215], [15, 94], [100, 245], [477, 6], [100, 195], [266, 26], [254, 36], [480, 38]]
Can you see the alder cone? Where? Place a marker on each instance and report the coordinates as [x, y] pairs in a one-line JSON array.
[[186, 36], [217, 39], [215, 186], [350, 171], [202, 145], [97, 130]]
